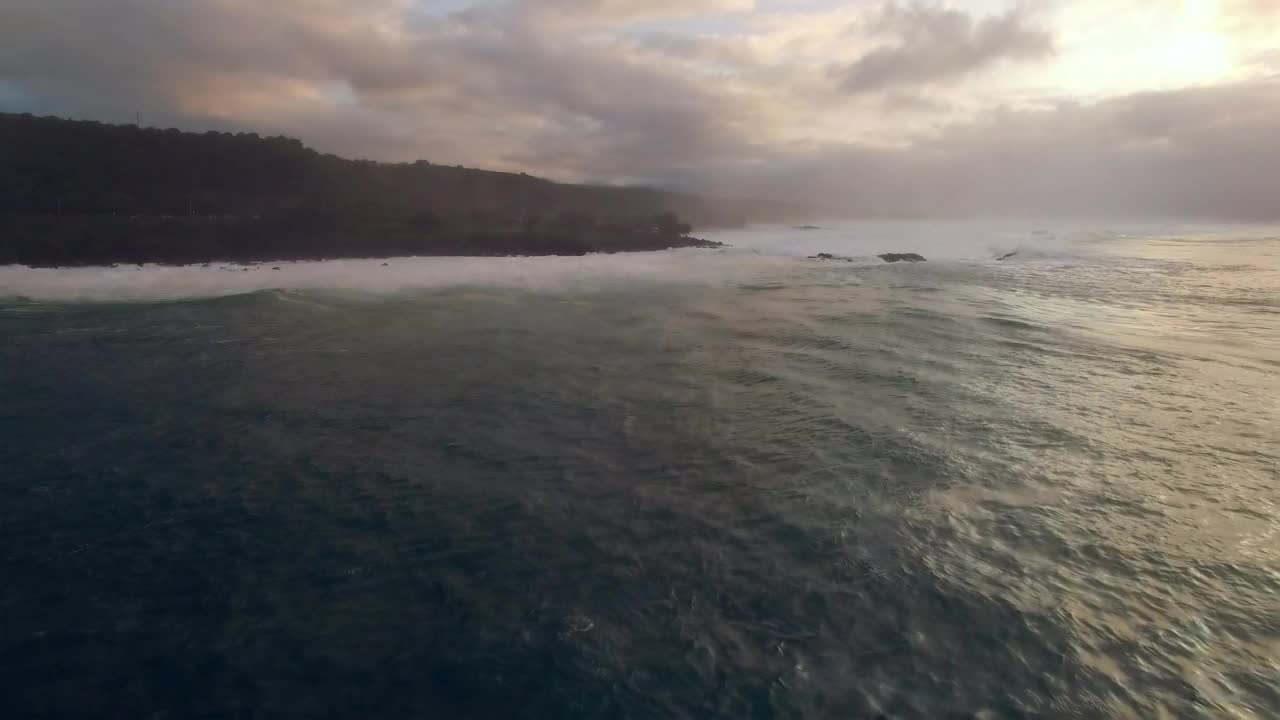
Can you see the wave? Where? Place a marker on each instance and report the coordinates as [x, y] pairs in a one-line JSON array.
[[938, 241], [397, 275], [752, 261]]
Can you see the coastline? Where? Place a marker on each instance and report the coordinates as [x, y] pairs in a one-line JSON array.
[[266, 259], [106, 241]]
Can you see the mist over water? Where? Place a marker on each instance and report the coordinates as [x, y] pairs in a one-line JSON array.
[[733, 483]]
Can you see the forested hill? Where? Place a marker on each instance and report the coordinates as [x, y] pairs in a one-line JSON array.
[[55, 166]]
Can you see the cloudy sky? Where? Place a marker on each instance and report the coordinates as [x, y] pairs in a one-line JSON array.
[[1142, 107]]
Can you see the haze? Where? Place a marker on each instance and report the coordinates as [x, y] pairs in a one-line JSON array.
[[1151, 107]]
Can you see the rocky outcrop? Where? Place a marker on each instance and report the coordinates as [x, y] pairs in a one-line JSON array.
[[887, 257]]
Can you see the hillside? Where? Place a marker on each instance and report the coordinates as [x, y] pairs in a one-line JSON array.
[[78, 192]]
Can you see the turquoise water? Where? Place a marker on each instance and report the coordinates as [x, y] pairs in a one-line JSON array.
[[737, 484]]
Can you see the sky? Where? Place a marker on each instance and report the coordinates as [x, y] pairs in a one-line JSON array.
[[967, 107]]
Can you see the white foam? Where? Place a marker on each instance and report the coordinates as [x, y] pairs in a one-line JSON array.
[[551, 274], [755, 251], [936, 240]]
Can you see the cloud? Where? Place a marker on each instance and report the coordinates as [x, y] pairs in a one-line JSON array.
[[152, 52], [633, 10], [1198, 152], [490, 85], [936, 43], [1256, 8], [595, 108], [1256, 19]]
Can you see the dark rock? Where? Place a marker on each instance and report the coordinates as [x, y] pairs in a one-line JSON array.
[[901, 257], [1006, 256], [829, 256]]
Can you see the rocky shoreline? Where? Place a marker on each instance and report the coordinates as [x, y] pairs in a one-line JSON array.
[[110, 240], [887, 257]]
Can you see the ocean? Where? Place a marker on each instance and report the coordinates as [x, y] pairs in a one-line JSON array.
[[691, 484]]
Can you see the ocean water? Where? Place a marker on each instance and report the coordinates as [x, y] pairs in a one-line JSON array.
[[694, 484]]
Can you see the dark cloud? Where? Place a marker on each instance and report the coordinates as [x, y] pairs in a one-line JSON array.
[[599, 112], [935, 43], [156, 53], [912, 102]]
